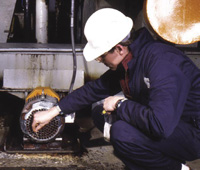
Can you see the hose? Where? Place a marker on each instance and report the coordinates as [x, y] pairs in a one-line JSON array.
[[73, 47]]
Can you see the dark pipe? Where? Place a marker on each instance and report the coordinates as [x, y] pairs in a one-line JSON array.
[[73, 47], [27, 20]]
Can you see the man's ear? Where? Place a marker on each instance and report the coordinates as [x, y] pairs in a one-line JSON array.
[[119, 48]]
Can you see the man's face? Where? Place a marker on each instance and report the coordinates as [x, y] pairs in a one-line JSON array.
[[110, 59]]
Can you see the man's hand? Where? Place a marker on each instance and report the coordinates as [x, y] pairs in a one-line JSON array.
[[109, 104], [40, 119]]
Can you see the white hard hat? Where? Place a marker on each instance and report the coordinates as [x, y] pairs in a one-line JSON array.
[[103, 30]]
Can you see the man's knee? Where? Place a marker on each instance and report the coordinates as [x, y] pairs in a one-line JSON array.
[[126, 140], [122, 132], [125, 135], [116, 131]]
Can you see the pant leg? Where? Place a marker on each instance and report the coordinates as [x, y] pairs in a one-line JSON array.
[[138, 151], [98, 118]]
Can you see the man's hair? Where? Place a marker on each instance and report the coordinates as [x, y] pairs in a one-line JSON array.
[[127, 42]]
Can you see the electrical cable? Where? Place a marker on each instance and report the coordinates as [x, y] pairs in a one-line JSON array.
[[73, 47]]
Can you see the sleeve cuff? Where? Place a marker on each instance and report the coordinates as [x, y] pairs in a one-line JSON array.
[[59, 110]]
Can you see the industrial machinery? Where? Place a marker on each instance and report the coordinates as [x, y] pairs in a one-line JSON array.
[[41, 99], [57, 136]]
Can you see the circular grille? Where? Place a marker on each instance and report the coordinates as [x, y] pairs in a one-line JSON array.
[[47, 132]]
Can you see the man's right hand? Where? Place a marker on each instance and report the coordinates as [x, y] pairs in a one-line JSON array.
[[40, 119], [109, 104]]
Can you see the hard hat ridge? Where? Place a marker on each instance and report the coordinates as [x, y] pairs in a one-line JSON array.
[[103, 30]]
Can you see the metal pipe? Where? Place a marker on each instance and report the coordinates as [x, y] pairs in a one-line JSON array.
[[27, 20], [41, 21], [73, 47]]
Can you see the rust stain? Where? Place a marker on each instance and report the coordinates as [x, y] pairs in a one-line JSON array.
[[174, 20]]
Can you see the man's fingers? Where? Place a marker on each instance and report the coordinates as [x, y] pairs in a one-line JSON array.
[[106, 112], [38, 127], [34, 125]]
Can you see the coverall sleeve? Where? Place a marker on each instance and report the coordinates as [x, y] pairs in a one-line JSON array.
[[169, 88], [91, 92]]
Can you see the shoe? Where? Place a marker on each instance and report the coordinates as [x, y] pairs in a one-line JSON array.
[[189, 167], [184, 166]]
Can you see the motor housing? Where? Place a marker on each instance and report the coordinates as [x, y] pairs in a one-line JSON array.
[[41, 99]]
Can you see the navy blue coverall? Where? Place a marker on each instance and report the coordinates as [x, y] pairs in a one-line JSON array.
[[159, 128]]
